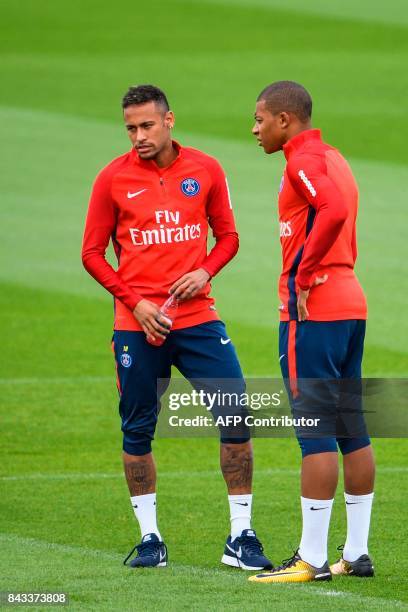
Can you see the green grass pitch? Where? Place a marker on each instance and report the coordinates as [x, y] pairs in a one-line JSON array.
[[66, 521]]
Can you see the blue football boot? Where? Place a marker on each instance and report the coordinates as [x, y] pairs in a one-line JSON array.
[[151, 552], [245, 552]]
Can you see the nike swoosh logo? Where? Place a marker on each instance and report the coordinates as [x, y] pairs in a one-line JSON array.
[[236, 552], [135, 506], [324, 508], [162, 556], [281, 357], [136, 193], [353, 503], [285, 573], [223, 341], [241, 504]]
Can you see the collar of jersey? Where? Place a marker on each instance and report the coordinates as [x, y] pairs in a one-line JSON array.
[[297, 141], [150, 163]]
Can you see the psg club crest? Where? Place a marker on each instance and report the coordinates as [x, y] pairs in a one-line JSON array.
[[190, 187], [126, 360]]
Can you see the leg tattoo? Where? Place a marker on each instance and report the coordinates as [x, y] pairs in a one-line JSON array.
[[237, 466], [140, 474]]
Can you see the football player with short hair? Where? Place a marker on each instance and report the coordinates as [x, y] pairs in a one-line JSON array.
[[157, 203], [323, 316]]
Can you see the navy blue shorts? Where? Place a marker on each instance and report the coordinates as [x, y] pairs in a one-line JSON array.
[[321, 364], [199, 352]]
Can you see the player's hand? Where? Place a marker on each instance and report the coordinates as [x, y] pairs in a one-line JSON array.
[[303, 312], [153, 323], [189, 284]]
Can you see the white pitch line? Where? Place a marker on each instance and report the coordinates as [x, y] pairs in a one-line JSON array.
[[38, 380], [104, 475], [57, 381], [179, 474], [238, 577], [67, 476], [34, 380]]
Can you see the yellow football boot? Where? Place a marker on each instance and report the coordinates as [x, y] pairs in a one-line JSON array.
[[294, 570]]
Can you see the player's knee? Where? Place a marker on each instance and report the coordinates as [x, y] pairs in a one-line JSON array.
[[138, 427], [349, 445], [312, 446], [136, 443], [242, 440]]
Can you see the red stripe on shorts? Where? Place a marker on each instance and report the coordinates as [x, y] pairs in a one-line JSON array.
[[116, 367], [292, 358]]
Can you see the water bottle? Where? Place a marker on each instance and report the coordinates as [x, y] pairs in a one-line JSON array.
[[169, 312]]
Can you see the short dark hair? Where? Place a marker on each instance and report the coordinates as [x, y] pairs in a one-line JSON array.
[[141, 94], [287, 96]]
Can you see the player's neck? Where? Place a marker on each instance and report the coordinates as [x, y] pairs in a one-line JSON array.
[[166, 156], [297, 128]]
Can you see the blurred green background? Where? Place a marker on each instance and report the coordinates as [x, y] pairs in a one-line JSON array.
[[64, 68]]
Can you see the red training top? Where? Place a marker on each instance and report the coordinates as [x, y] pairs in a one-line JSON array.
[[318, 203], [158, 221]]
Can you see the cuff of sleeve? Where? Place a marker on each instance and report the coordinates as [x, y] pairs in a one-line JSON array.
[[303, 282], [209, 270], [132, 301]]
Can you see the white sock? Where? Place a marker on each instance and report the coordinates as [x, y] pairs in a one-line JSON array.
[[144, 507], [240, 512], [316, 519], [358, 509]]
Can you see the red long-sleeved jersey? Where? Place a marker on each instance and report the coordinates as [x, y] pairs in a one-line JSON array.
[[158, 221], [318, 203]]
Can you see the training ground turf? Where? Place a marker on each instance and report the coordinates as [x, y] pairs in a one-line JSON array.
[[65, 514]]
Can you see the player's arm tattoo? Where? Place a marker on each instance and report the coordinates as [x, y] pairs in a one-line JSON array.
[[140, 476], [237, 466]]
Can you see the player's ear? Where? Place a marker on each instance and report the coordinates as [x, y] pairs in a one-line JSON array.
[[284, 119], [169, 120]]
